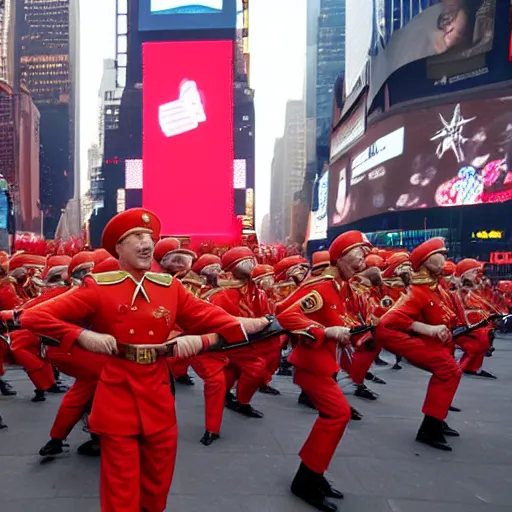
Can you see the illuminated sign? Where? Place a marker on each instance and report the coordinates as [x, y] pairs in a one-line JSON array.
[[488, 235], [501, 258]]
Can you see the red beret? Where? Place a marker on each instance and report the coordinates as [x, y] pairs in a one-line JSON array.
[[22, 259], [449, 268], [466, 265], [109, 264], [374, 260], [164, 246], [235, 256], [423, 252], [393, 262], [203, 261], [81, 260], [321, 259], [261, 271], [281, 267], [345, 243], [135, 220], [57, 264], [100, 255]]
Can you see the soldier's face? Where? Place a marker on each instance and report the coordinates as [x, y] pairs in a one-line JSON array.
[[472, 275], [176, 263], [298, 272], [352, 263], [136, 251], [244, 268], [213, 269], [266, 283], [435, 264]]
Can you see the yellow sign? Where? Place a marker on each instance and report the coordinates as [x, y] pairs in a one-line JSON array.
[[488, 235]]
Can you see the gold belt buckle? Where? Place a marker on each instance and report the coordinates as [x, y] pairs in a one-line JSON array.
[[141, 355]]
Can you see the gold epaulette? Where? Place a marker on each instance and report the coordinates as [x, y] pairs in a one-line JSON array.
[[159, 278], [193, 279], [106, 278], [423, 277], [394, 282]]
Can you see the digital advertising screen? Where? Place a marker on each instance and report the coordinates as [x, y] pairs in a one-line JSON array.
[[188, 148], [318, 219], [186, 14], [449, 155]]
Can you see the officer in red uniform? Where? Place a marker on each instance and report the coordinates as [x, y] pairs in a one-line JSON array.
[[9, 299], [320, 263], [175, 261], [26, 346], [419, 328], [133, 410], [241, 298], [320, 316], [22, 268], [476, 308]]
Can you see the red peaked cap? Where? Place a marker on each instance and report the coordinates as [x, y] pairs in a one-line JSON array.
[[393, 262], [203, 261], [374, 260], [345, 243], [423, 252], [109, 264], [60, 260], [134, 220], [449, 268], [235, 256], [281, 267], [320, 259], [466, 265], [23, 259], [261, 271], [81, 260]]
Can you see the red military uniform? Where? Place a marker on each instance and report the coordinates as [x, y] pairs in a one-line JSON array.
[[25, 266], [243, 299], [322, 302], [133, 410], [427, 302]]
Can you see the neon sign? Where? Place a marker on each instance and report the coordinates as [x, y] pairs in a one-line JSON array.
[[501, 258], [494, 234]]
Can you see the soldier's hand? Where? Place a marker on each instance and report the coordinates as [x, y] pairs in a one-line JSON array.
[[441, 332], [98, 343], [187, 346], [254, 325], [340, 334]]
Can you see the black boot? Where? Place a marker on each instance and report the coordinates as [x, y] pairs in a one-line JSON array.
[[481, 373], [186, 380], [38, 396], [452, 408], [249, 411], [372, 377], [363, 392], [305, 400], [380, 362], [269, 390], [310, 487], [397, 365], [90, 448], [6, 389], [355, 414], [329, 490], [449, 431], [231, 402], [2, 424], [58, 388], [208, 438], [431, 434], [51, 448]]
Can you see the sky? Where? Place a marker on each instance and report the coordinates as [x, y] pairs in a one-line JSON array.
[[277, 39]]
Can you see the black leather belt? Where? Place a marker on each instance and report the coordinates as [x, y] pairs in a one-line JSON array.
[[142, 354]]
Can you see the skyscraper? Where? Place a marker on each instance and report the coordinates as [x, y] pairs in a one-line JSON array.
[[49, 70]]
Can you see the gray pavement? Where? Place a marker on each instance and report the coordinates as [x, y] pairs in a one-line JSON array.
[[378, 465]]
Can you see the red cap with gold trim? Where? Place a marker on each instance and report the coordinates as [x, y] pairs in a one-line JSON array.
[[22, 259], [135, 220], [393, 262], [374, 260], [449, 268], [423, 252], [320, 259], [261, 271], [281, 267], [56, 265], [345, 243], [203, 261], [81, 261], [466, 265], [235, 256]]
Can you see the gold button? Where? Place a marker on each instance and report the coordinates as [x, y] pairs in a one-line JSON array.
[[132, 331], [151, 333], [134, 308]]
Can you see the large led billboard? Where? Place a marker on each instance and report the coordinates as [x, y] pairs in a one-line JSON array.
[[318, 219], [186, 14], [450, 155], [188, 136]]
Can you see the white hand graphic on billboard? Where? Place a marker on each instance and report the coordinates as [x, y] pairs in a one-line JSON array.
[[184, 114]]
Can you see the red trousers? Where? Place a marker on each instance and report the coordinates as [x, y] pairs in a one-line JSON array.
[[39, 370], [270, 351], [435, 358], [360, 365], [251, 372], [179, 367], [333, 417], [475, 345], [210, 368], [136, 472], [86, 368]]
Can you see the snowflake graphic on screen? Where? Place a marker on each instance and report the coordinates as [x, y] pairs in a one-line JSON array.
[[450, 135]]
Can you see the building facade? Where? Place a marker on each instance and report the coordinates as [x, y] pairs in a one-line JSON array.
[[49, 70]]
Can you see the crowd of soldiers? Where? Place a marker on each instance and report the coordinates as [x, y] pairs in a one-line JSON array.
[[129, 320]]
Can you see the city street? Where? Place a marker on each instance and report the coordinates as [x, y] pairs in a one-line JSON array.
[[378, 466]]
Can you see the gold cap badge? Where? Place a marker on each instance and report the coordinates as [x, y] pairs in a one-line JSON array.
[[145, 218]]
